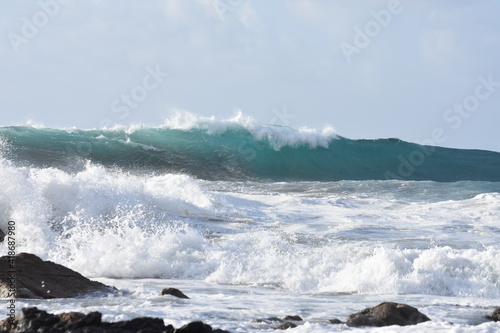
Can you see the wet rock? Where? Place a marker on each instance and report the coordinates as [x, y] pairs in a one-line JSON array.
[[292, 318], [142, 324], [174, 292], [36, 278], [198, 327], [335, 321], [2, 235], [269, 320], [5, 325], [495, 315], [34, 320], [75, 320], [286, 325], [31, 319], [386, 314]]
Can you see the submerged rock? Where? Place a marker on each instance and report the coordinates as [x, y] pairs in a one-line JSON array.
[[495, 315], [269, 320], [174, 292], [386, 314], [34, 320], [287, 322], [35, 278], [286, 325], [292, 318]]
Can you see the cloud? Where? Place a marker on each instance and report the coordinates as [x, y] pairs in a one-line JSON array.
[[248, 16], [253, 54], [438, 45], [228, 11], [307, 9], [173, 10]]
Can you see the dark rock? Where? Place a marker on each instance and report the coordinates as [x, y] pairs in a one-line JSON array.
[[7, 324], [198, 327], [268, 320], [36, 278], [71, 317], [31, 320], [2, 235], [286, 325], [335, 321], [283, 324], [359, 320], [495, 315], [386, 314], [174, 292], [142, 324], [4, 326], [75, 320]]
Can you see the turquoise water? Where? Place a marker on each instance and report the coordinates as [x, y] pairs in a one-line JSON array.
[[257, 221], [280, 154]]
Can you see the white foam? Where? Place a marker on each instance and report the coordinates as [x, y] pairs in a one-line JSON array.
[[109, 223], [270, 259], [129, 142], [34, 124], [277, 136], [90, 219], [185, 120]]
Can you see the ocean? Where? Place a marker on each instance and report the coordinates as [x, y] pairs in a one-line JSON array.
[[255, 221]]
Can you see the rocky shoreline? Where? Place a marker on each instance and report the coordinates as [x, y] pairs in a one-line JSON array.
[[35, 320], [38, 279], [35, 278]]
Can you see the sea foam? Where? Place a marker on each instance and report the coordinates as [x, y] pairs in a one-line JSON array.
[[277, 136], [109, 223]]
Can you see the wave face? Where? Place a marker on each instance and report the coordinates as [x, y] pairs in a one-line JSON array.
[[237, 151]]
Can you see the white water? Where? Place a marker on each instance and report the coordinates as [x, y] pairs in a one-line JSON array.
[[277, 136], [244, 251]]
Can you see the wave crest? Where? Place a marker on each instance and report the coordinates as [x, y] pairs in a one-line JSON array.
[[240, 148]]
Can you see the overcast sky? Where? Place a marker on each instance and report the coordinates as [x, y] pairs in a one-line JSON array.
[[422, 70]]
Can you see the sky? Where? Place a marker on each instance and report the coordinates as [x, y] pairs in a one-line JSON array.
[[423, 71]]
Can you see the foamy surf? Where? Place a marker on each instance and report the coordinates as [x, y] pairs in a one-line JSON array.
[[301, 243], [104, 203]]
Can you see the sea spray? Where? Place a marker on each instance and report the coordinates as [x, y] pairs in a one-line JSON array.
[[253, 221], [223, 150], [354, 237]]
